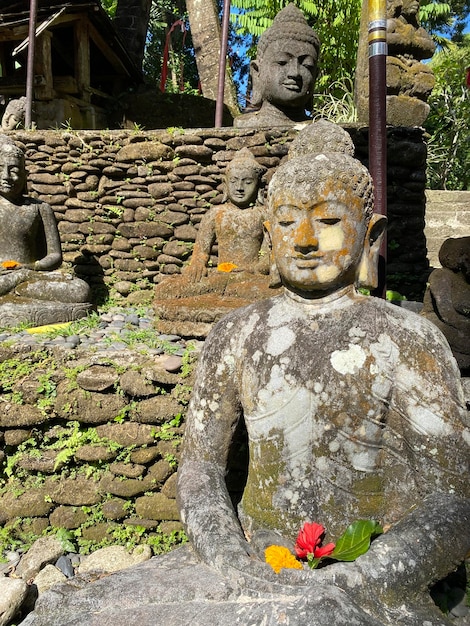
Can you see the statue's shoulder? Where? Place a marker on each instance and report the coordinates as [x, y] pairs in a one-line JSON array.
[[239, 321], [405, 326]]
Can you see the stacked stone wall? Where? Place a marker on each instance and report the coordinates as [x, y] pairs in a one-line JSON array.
[[90, 443], [128, 204]]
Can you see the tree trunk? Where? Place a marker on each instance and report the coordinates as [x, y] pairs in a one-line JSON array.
[[131, 21], [206, 35]]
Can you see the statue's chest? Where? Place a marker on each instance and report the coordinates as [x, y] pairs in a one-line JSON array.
[[313, 391], [22, 224], [245, 223]]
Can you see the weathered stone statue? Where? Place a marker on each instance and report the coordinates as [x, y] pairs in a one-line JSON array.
[[353, 409], [409, 81], [237, 225], [14, 114], [283, 72], [202, 294], [30, 251], [447, 299]]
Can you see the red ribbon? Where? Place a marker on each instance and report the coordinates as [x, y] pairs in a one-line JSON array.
[[166, 52]]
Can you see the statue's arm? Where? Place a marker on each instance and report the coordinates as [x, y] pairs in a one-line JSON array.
[[53, 257], [197, 267], [206, 509], [429, 399]]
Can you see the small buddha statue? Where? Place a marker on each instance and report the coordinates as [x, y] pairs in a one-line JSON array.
[[447, 298], [283, 72], [30, 249], [236, 225], [241, 272]]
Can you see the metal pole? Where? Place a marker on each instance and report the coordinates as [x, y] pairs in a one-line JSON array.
[[219, 106], [377, 36], [30, 64]]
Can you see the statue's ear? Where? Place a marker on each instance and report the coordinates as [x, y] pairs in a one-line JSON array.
[[256, 90], [274, 276], [367, 276]]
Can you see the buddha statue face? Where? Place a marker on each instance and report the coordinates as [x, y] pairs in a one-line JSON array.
[[320, 223], [12, 173], [287, 73], [285, 69], [242, 187]]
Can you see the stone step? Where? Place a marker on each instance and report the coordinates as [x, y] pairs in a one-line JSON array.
[[447, 215]]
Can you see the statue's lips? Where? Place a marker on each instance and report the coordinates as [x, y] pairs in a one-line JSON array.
[[307, 262], [292, 87]]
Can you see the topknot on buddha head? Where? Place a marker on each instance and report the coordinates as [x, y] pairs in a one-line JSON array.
[[289, 24]]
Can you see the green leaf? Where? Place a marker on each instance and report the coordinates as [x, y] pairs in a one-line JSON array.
[[355, 540]]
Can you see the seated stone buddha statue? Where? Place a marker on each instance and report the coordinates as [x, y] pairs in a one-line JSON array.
[[447, 298], [203, 292], [30, 252]]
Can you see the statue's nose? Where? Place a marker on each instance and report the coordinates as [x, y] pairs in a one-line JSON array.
[[293, 68], [306, 237]]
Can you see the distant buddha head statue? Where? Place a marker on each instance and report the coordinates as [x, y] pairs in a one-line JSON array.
[[284, 71], [14, 115]]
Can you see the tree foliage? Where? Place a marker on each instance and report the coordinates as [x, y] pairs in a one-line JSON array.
[[447, 124], [444, 20]]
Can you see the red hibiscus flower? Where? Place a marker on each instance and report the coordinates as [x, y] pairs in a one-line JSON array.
[[309, 540]]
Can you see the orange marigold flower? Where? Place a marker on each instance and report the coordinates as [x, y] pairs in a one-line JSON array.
[[9, 265], [279, 557], [226, 267]]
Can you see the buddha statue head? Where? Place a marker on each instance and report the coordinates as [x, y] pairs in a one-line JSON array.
[[12, 169], [324, 234], [283, 72], [242, 179]]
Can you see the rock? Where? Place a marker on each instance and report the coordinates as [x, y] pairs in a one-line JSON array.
[[114, 558], [97, 378], [64, 564], [12, 594], [47, 577], [43, 551], [173, 363]]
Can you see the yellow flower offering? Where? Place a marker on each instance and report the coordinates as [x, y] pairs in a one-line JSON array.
[[9, 265], [226, 267], [279, 557]]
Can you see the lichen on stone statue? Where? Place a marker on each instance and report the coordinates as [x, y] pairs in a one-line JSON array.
[[32, 287], [283, 73]]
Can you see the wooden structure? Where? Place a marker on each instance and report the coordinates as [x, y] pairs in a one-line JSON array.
[[81, 66]]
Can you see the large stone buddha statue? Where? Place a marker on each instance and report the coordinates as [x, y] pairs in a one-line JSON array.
[[353, 409]]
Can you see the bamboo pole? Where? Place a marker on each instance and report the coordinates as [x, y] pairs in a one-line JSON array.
[[219, 107], [377, 37]]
